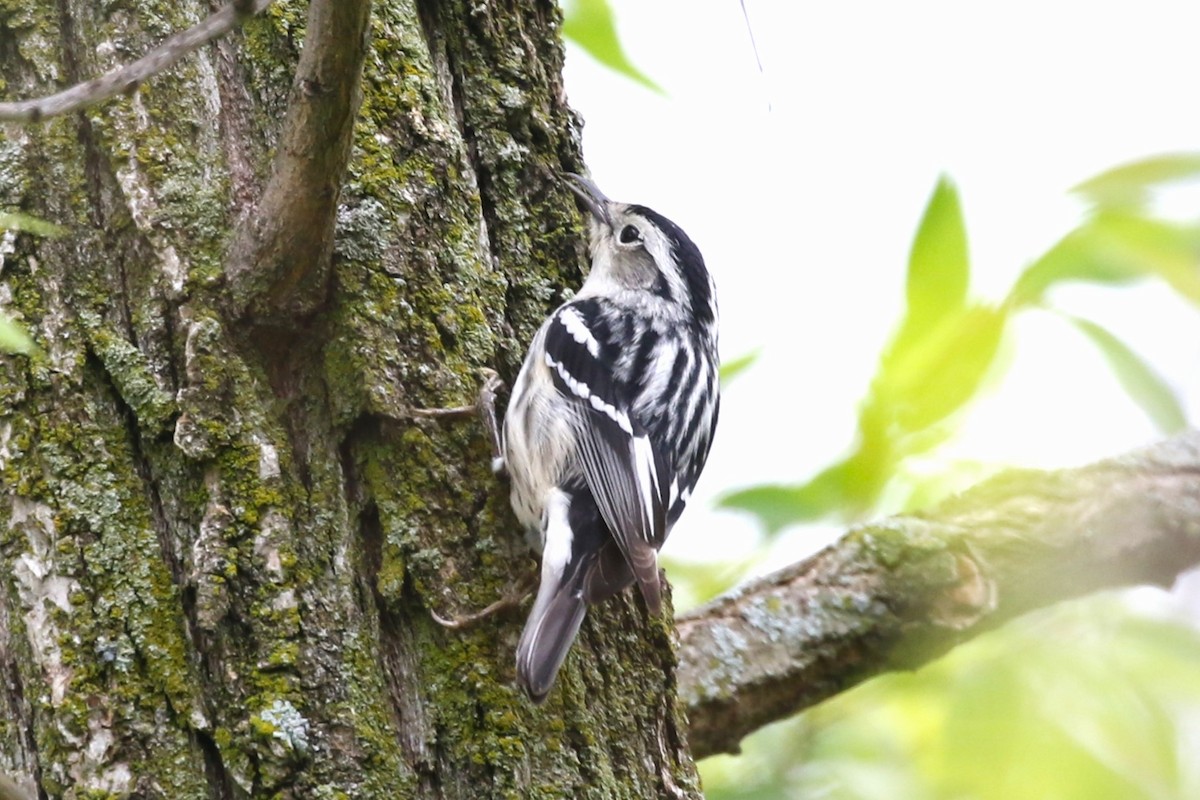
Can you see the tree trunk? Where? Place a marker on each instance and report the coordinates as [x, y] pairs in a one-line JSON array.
[[226, 524]]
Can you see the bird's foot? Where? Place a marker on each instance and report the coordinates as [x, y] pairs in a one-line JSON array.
[[484, 406], [511, 600]]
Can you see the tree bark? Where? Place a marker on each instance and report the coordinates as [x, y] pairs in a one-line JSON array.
[[897, 593], [226, 529], [228, 518]]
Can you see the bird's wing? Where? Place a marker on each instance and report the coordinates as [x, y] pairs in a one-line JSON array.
[[628, 476]]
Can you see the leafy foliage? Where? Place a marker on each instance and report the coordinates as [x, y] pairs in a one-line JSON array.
[[1116, 246], [946, 345], [939, 268], [1094, 699], [1089, 699], [10, 221], [13, 338], [592, 25], [1129, 184], [736, 366], [1138, 378]]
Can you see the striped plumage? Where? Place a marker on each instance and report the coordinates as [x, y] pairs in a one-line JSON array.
[[610, 423]]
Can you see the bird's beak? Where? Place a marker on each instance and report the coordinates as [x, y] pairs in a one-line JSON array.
[[591, 196]]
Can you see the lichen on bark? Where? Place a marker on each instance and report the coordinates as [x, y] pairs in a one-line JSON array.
[[226, 532]]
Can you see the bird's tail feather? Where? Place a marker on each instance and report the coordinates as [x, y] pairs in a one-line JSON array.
[[551, 629]]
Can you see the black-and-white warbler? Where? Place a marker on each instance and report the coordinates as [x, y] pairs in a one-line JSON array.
[[610, 423]]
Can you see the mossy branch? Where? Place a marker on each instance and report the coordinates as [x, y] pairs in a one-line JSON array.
[[280, 257], [127, 78], [897, 593]]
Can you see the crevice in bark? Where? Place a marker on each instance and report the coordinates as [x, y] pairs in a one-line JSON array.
[[395, 635], [15, 693], [400, 667], [220, 784], [219, 781], [145, 471], [174, 345], [71, 44], [10, 52], [406, 709], [122, 310], [233, 121], [429, 14], [276, 343], [448, 73], [92, 157]]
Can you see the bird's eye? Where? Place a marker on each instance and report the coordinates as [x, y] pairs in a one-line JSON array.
[[630, 234]]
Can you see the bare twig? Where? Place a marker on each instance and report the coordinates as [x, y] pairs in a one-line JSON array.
[[127, 78], [898, 593]]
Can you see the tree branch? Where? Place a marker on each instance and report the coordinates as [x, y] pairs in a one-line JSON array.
[[897, 593], [127, 78], [281, 253]]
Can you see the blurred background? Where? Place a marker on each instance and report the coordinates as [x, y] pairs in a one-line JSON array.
[[948, 238]]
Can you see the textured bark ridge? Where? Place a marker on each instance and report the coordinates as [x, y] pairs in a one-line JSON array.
[[222, 528]]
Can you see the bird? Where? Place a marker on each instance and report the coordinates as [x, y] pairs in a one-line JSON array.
[[610, 422]]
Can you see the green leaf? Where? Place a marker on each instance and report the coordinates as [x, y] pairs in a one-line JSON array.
[[1127, 184], [696, 582], [736, 366], [592, 26], [777, 506], [13, 338], [922, 382], [1155, 247], [1139, 380], [24, 222], [939, 269], [926, 345], [1080, 700], [1115, 247], [1075, 257], [916, 389]]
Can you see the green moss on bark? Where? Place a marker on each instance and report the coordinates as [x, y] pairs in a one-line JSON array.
[[248, 527]]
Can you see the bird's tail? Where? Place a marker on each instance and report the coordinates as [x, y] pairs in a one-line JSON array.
[[553, 623]]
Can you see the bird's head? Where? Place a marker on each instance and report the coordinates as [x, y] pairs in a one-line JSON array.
[[636, 249]]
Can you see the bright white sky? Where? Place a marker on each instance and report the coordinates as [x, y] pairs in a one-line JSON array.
[[803, 185]]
